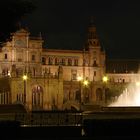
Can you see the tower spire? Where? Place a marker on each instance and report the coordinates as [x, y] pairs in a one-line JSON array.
[[92, 38], [19, 25], [92, 21], [40, 35]]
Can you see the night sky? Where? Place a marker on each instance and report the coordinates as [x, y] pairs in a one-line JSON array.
[[63, 24]]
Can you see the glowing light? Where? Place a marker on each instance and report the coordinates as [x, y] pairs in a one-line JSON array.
[[79, 78], [105, 79], [25, 77], [85, 82], [137, 83], [9, 74]]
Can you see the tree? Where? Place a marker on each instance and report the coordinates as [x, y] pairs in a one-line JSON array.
[[11, 12]]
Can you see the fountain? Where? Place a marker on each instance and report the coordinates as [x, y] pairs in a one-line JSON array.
[[128, 99], [120, 118]]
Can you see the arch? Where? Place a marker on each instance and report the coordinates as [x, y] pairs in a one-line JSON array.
[[99, 94], [37, 97], [78, 95], [107, 94]]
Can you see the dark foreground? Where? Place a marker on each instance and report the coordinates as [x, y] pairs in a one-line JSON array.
[[93, 130], [111, 123]]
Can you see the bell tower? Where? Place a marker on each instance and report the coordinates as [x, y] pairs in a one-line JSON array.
[[96, 57], [92, 38]]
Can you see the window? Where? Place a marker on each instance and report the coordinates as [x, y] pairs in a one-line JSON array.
[[85, 62], [76, 62], [5, 56], [95, 63], [69, 62], [33, 57], [50, 61], [74, 76], [43, 60], [95, 73], [37, 97], [20, 97], [56, 61], [63, 61]]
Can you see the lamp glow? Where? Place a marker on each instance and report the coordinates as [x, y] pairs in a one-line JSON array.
[[85, 82], [79, 78], [25, 77], [105, 79], [137, 83]]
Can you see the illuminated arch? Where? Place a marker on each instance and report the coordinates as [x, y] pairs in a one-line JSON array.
[[37, 97]]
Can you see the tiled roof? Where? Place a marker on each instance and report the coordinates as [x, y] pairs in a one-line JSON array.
[[122, 66]]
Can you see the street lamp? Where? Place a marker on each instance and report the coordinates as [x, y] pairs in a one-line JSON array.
[[9, 74], [105, 80], [85, 82], [82, 85], [85, 91], [25, 79], [80, 79]]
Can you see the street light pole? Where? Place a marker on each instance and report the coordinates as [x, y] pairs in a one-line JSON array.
[[80, 91], [85, 84], [24, 80], [79, 79], [82, 85], [105, 80]]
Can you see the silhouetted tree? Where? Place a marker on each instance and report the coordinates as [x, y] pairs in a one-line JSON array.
[[11, 12]]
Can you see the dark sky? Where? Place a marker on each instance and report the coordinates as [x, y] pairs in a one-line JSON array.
[[64, 23]]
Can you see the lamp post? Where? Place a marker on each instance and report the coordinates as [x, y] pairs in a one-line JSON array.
[[86, 92], [24, 80], [79, 79], [82, 85], [105, 80], [85, 82]]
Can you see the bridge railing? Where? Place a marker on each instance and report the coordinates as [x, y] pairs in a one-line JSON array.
[[45, 119]]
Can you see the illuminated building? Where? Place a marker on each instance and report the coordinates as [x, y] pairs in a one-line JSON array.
[[51, 81]]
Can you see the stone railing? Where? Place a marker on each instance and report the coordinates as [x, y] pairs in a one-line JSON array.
[[44, 119]]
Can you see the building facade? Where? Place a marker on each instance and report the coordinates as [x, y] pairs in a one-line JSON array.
[[55, 79]]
